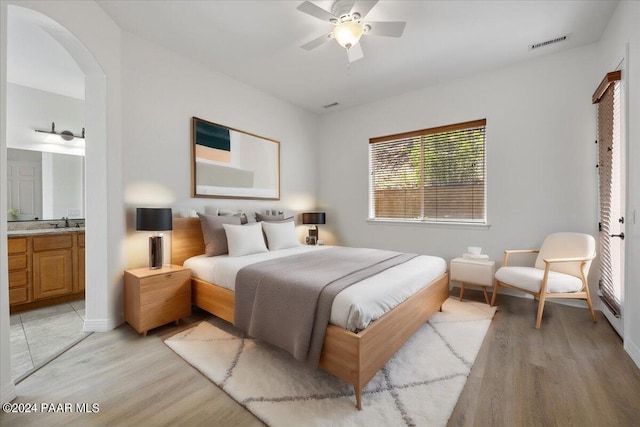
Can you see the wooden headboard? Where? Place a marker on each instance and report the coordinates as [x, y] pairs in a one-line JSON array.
[[186, 239]]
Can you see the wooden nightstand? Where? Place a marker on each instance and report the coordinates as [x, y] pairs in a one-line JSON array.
[[155, 297], [473, 272]]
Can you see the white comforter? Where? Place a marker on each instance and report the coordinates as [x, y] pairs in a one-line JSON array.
[[353, 308]]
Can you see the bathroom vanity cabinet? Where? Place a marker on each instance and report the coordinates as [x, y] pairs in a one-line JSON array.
[[45, 269]]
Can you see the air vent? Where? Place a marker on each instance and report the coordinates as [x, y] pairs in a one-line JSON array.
[[330, 105], [547, 43]]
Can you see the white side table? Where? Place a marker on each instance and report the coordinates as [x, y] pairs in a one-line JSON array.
[[473, 272]]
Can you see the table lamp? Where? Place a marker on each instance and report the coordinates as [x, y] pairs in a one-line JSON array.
[[156, 220], [313, 218]]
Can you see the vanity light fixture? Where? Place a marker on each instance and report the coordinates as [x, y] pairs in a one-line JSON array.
[[65, 134]]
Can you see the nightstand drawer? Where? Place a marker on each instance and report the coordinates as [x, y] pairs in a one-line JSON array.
[[162, 312], [472, 271], [165, 286], [155, 297]]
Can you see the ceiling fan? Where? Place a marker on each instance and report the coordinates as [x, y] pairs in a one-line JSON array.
[[348, 16]]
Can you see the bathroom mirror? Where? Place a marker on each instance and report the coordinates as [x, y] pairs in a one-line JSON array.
[[44, 185], [230, 163]]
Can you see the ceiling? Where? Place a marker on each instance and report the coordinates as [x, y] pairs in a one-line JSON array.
[[258, 42]]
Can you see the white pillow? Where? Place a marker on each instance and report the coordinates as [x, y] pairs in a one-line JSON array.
[[280, 235], [244, 239]]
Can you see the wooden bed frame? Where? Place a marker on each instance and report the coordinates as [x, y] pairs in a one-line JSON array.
[[352, 357]]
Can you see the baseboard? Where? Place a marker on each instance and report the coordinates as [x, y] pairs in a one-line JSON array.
[[633, 351], [8, 392], [572, 302], [101, 325], [615, 322]]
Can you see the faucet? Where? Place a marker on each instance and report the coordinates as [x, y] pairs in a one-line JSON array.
[[66, 221]]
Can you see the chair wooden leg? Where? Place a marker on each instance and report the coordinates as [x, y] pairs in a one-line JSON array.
[[461, 290], [486, 297], [495, 293], [593, 314], [540, 310]]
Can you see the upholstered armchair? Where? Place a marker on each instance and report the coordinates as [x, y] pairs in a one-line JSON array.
[[560, 270]]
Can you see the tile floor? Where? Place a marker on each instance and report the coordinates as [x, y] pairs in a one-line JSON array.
[[39, 334]]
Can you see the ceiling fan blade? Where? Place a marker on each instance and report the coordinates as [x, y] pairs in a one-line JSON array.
[[317, 12], [317, 42], [386, 29], [355, 52], [363, 7]]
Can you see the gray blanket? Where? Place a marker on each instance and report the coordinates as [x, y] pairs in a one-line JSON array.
[[287, 301]]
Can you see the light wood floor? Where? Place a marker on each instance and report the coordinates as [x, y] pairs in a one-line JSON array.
[[570, 372]]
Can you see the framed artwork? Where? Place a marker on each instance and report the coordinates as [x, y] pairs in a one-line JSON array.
[[230, 163]]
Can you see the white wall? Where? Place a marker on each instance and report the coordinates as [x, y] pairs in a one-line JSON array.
[[540, 157], [29, 109], [622, 40], [161, 92]]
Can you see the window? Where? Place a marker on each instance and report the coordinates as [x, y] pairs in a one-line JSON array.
[[611, 190], [432, 175]]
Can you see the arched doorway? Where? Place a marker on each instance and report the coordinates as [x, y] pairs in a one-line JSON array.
[[100, 293]]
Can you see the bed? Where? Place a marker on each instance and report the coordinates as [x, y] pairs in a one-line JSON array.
[[353, 356]]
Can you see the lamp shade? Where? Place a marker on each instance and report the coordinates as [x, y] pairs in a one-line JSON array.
[[313, 218], [153, 219]]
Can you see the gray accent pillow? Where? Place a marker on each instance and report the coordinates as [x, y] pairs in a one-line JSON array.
[[266, 217], [215, 238], [240, 214]]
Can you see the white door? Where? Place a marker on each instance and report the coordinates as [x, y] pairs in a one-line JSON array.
[[24, 185], [611, 161]]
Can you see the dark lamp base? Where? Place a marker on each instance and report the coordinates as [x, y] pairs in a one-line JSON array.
[[155, 252]]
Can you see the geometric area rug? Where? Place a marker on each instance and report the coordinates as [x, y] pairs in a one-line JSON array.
[[419, 386]]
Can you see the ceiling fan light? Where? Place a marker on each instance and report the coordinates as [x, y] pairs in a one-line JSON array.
[[348, 33]]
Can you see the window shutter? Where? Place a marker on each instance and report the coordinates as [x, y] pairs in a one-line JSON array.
[[432, 175]]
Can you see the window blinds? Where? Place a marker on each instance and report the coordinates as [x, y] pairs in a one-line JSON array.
[[432, 175], [608, 142]]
